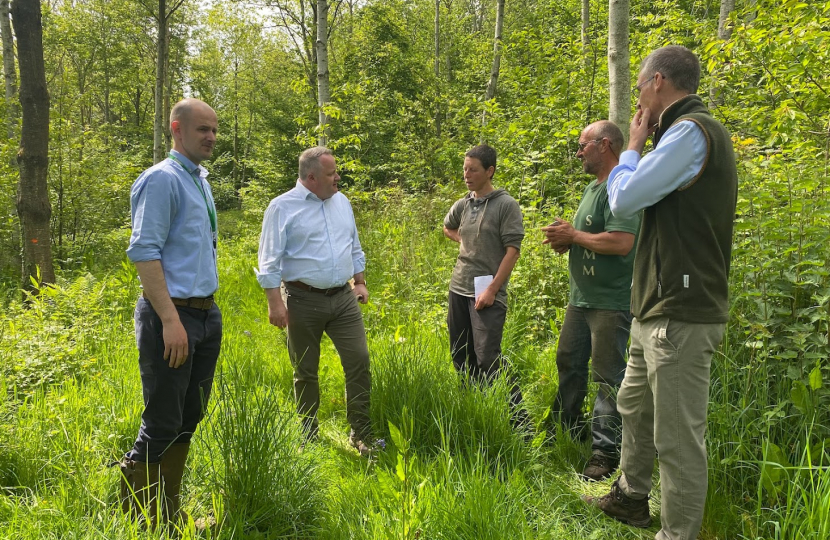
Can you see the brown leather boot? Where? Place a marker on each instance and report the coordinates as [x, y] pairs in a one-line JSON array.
[[172, 470], [139, 490], [618, 505]]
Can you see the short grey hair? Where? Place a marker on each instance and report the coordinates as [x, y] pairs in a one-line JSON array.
[[677, 64], [606, 129], [310, 160]]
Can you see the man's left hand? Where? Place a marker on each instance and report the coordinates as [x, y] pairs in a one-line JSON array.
[[485, 299], [559, 235], [361, 292]]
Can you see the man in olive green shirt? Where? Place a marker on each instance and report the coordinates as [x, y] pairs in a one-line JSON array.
[[598, 317]]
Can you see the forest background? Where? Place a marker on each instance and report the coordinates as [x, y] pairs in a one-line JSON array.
[[409, 92]]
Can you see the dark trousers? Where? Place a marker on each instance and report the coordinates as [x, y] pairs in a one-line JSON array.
[[602, 336], [475, 341], [174, 399], [309, 315]]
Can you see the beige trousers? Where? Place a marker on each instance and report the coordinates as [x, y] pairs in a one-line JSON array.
[[663, 401]]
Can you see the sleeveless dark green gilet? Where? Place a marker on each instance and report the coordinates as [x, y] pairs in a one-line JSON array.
[[682, 263]]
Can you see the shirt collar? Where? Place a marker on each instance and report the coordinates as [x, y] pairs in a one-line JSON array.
[[189, 166], [305, 192]]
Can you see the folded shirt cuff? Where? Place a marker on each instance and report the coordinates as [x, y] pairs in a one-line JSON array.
[[268, 281], [630, 158]]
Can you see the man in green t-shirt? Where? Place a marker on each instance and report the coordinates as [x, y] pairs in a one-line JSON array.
[[598, 318]]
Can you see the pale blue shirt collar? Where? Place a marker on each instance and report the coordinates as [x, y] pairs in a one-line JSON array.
[[189, 166]]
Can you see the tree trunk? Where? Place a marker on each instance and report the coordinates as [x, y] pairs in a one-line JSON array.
[[161, 57], [33, 207], [586, 32], [9, 73], [322, 68], [490, 93], [619, 75], [494, 71], [438, 65], [235, 174], [168, 94], [724, 33]]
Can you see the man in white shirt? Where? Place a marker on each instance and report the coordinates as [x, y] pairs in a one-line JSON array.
[[310, 243]]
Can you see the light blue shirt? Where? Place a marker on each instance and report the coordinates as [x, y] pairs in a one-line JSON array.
[[171, 223], [309, 240], [638, 183]]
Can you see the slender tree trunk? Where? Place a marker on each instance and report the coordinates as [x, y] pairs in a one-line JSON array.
[[448, 43], [726, 8], [322, 68], [161, 57], [437, 66], [724, 33], [586, 32], [490, 93], [9, 73], [168, 93], [237, 182], [33, 206], [619, 75]]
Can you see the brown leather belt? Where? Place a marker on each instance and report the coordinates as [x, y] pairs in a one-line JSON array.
[[198, 303], [327, 292]]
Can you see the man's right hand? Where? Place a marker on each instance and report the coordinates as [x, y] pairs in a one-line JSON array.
[[277, 312], [639, 130], [175, 342]]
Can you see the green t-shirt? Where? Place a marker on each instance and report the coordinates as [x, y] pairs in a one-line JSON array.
[[600, 281]]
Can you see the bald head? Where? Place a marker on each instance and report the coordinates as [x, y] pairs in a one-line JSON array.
[[606, 129], [599, 148], [194, 125], [184, 109]]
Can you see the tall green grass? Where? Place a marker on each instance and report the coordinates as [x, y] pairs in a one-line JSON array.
[[454, 468]]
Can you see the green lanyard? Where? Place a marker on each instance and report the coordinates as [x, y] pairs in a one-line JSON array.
[[196, 180]]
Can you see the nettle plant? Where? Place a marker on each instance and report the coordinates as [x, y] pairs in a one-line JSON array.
[[781, 287]]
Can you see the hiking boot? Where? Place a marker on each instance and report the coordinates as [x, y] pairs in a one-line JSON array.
[[367, 450], [599, 467], [621, 507]]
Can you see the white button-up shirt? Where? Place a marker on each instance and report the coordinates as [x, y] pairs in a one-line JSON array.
[[310, 240]]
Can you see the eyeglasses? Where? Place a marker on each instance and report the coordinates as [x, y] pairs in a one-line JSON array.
[[582, 145], [636, 89]]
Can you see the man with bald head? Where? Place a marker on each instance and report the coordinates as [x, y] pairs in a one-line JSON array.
[[178, 325], [598, 318]]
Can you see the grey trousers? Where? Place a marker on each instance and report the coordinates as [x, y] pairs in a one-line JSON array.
[[339, 316], [663, 402], [602, 336], [475, 336]]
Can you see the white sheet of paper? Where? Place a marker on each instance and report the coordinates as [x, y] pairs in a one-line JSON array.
[[481, 283]]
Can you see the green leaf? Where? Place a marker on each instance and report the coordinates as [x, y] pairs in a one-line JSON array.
[[799, 397], [396, 436], [815, 378]]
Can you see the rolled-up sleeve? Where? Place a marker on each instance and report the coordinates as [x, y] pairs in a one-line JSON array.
[[153, 202], [271, 248]]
